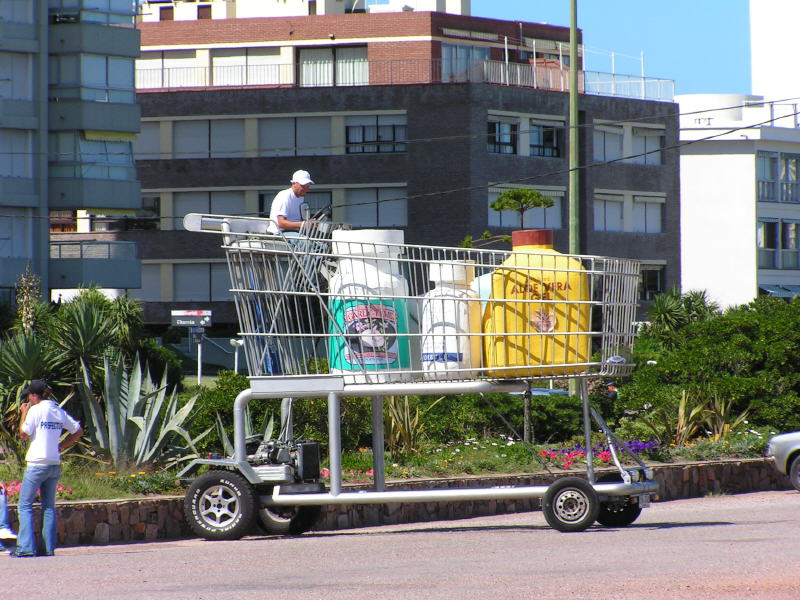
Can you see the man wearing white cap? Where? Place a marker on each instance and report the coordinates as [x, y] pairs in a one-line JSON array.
[[285, 213]]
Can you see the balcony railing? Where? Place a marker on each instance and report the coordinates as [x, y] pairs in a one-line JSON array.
[[400, 72], [93, 249]]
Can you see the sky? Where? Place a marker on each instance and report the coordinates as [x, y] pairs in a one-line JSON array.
[[702, 45]]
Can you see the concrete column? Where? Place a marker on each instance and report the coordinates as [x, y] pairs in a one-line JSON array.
[[251, 138], [338, 135], [167, 212], [167, 283]]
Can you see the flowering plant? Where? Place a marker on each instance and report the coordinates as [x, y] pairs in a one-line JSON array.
[[13, 489]]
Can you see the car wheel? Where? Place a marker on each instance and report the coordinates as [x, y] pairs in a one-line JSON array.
[[570, 504], [618, 512], [794, 472], [220, 505], [288, 520]]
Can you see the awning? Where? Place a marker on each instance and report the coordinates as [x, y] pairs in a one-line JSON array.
[[776, 291]]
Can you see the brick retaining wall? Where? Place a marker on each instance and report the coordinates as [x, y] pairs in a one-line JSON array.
[[107, 521]]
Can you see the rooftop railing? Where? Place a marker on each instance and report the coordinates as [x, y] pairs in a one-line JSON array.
[[402, 72]]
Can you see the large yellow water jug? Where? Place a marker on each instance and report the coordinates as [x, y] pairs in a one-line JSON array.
[[537, 320]]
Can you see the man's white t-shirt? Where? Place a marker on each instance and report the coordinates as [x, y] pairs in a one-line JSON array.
[[287, 205], [44, 423]]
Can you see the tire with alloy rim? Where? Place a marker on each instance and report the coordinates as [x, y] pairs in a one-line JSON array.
[[570, 504], [794, 472], [618, 512], [288, 520], [220, 505]]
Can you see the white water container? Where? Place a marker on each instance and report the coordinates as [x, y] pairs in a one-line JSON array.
[[451, 323], [368, 303]]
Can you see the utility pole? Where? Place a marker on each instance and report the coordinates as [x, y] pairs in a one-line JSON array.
[[574, 204]]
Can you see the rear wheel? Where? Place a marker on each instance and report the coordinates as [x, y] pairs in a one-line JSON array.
[[288, 520], [570, 504], [794, 472], [617, 512], [220, 505]]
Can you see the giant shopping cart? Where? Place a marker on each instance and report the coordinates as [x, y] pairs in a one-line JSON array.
[[339, 312]]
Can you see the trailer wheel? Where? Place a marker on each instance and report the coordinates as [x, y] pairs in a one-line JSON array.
[[570, 504], [619, 512], [288, 520], [220, 505]]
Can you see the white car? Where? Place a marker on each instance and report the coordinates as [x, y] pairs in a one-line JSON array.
[[784, 449]]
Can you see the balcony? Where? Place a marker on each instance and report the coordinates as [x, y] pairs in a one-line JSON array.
[[105, 264], [402, 72]]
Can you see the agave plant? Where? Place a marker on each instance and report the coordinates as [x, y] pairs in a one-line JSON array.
[[82, 335], [135, 421]]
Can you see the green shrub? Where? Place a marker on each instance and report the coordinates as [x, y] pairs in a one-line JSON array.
[[159, 358]]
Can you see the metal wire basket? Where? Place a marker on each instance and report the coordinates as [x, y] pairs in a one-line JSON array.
[[363, 306]]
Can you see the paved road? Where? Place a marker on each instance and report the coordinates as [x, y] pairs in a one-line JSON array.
[[728, 547]]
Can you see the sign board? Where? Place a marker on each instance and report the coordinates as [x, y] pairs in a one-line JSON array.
[[191, 318]]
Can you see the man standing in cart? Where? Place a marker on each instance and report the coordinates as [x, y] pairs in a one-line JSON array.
[[285, 214]]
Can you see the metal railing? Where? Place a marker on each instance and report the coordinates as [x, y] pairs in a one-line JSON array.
[[93, 249], [403, 71]]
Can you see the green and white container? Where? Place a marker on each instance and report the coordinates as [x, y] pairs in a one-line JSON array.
[[368, 303]]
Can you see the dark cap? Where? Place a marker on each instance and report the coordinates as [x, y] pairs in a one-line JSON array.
[[37, 386]]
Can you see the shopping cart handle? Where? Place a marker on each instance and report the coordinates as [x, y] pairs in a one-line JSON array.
[[224, 224]]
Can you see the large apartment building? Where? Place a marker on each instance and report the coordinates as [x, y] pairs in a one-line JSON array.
[[68, 116], [407, 119]]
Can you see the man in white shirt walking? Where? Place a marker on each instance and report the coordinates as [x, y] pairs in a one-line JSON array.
[[285, 213], [41, 421]]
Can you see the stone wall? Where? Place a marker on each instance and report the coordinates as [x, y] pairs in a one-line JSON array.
[[108, 521]]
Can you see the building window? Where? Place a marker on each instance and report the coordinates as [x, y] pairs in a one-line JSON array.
[[16, 153], [204, 11], [789, 244], [607, 143], [86, 156], [789, 175], [502, 137], [151, 284], [317, 200], [767, 176], [546, 138], [92, 77], [340, 66], [460, 63], [147, 145], [294, 136], [166, 13], [376, 207], [226, 138], [16, 233], [768, 241], [651, 282], [534, 218], [375, 133], [215, 203], [647, 214], [608, 213], [16, 83], [646, 146]]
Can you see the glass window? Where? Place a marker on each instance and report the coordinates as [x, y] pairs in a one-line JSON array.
[[789, 245], [502, 137], [220, 283], [646, 215], [227, 138], [184, 203], [376, 207], [651, 282], [190, 139], [16, 235], [227, 203], [148, 141], [460, 62], [16, 153], [375, 133], [191, 282], [608, 214], [607, 143], [646, 146], [767, 176], [546, 139], [151, 284], [767, 242], [789, 175], [276, 137], [16, 83], [313, 136]]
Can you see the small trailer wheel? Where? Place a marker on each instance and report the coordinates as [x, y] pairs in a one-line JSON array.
[[220, 505], [794, 473], [288, 520], [620, 512], [570, 504]]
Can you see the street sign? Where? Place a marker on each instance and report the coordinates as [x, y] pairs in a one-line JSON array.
[[191, 318]]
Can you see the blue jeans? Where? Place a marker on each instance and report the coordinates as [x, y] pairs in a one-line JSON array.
[[4, 524], [45, 479]]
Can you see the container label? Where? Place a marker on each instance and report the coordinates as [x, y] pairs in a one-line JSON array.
[[370, 334], [442, 357]]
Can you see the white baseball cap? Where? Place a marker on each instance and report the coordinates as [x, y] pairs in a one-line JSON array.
[[301, 177]]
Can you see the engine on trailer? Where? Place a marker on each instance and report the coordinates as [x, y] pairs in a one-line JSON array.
[[302, 455]]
